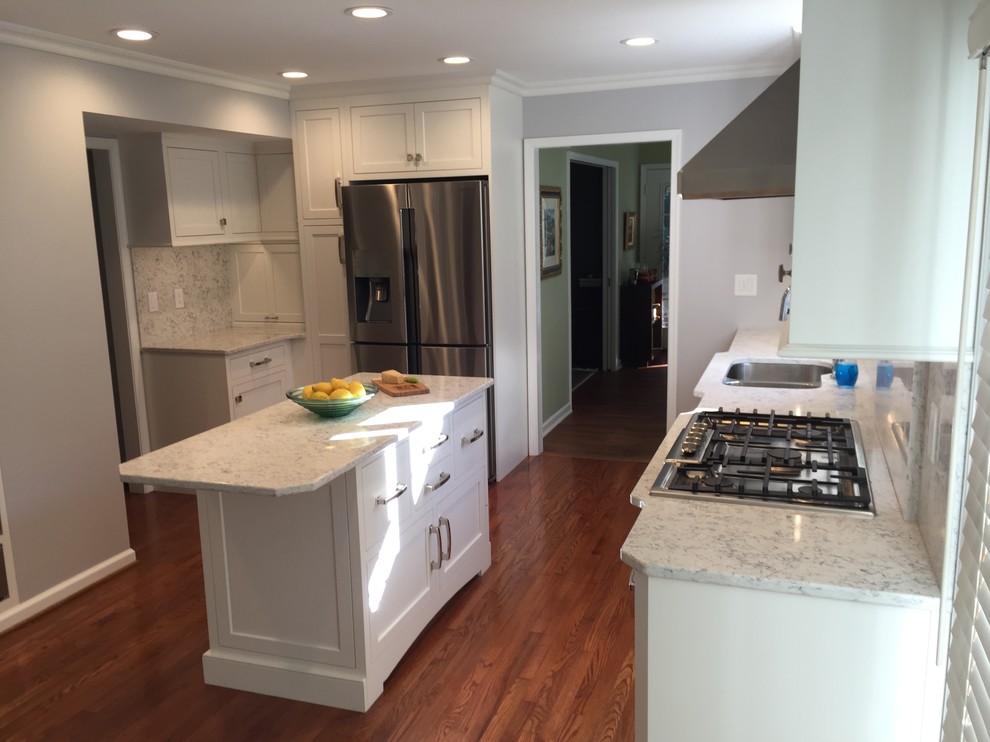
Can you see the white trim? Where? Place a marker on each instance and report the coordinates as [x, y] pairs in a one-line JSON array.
[[32, 38], [556, 419], [54, 595], [531, 177]]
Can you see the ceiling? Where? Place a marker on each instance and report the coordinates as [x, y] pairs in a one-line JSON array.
[[538, 45]]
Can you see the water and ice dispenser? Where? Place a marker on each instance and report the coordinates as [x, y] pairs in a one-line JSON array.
[[372, 299]]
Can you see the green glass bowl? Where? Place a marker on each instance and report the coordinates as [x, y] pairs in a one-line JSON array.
[[331, 407]]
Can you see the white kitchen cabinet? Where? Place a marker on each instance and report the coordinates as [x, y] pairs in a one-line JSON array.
[[417, 138], [318, 168], [325, 289], [185, 191], [884, 156], [187, 392], [266, 282]]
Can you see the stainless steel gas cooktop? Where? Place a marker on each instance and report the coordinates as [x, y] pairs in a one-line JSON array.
[[804, 462]]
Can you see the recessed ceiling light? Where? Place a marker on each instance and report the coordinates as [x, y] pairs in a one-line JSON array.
[[640, 41], [295, 74], [368, 11], [133, 34], [456, 60]]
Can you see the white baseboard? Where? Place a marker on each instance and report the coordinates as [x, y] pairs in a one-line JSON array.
[[556, 419], [30, 608]]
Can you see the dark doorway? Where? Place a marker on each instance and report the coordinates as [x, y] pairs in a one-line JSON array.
[[587, 240]]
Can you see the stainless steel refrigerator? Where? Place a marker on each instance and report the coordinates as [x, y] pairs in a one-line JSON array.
[[418, 277]]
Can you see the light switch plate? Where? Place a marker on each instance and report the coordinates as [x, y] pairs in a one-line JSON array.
[[152, 301], [180, 300], [745, 284]]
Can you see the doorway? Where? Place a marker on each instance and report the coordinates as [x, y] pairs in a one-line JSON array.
[[534, 291], [120, 310]]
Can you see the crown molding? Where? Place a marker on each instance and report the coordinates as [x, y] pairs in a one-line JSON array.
[[31, 38]]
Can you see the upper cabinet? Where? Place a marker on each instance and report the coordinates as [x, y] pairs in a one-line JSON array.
[[885, 150], [193, 191], [319, 172], [417, 138]]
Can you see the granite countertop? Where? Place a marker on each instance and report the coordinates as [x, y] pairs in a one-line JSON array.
[[223, 342], [285, 449], [833, 555]]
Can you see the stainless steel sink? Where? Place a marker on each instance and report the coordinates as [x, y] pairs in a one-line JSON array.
[[776, 373]]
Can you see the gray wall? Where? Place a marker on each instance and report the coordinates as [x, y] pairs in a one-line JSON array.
[[717, 238], [58, 442]]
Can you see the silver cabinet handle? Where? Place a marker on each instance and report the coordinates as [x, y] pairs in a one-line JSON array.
[[337, 194], [444, 478], [266, 359], [271, 317], [238, 399], [419, 157], [409, 158], [399, 489], [223, 221], [340, 249], [436, 565], [443, 438], [478, 432], [446, 555]]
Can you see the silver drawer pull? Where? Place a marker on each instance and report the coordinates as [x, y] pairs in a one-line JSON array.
[[443, 438], [271, 317], [477, 434], [437, 564], [255, 364], [445, 522], [399, 489], [444, 478]]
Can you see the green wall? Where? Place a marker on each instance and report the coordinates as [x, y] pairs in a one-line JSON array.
[[554, 321]]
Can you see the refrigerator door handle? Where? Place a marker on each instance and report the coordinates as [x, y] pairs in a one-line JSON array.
[[337, 186], [340, 249]]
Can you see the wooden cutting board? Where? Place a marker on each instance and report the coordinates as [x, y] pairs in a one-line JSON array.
[[405, 389]]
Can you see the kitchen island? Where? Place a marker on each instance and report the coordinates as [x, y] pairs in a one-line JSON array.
[[329, 544], [764, 623]]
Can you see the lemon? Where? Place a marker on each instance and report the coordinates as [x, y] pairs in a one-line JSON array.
[[324, 386], [307, 391], [339, 383], [356, 388], [320, 395], [341, 394]]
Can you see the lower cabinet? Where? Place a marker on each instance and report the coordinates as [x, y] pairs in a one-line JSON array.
[[317, 596], [187, 393]]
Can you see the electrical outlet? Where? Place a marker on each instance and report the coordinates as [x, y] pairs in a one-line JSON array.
[[180, 300], [745, 284], [152, 301]]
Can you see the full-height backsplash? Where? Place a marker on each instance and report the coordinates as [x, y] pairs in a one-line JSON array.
[[203, 274]]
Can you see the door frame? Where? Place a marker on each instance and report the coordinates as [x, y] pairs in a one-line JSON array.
[[130, 300], [531, 180], [610, 259]]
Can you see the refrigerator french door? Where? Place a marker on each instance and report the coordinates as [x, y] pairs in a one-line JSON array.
[[419, 288]]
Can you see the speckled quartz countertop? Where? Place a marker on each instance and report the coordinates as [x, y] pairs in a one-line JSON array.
[[285, 449], [834, 555], [222, 342]]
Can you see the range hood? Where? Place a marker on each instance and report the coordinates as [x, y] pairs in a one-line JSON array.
[[753, 156]]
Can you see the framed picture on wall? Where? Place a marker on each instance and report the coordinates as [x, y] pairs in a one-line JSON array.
[[551, 244], [630, 231]]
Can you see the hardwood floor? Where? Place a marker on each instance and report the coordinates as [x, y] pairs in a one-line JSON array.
[[539, 647]]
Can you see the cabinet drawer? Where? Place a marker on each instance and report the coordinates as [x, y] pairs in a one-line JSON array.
[[258, 362], [384, 491], [471, 435]]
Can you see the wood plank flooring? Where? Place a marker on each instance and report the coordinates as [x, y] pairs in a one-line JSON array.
[[540, 647]]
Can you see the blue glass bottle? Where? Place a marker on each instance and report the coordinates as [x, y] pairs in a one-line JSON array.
[[846, 373], [885, 374]]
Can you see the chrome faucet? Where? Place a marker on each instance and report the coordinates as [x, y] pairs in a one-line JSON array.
[[785, 304]]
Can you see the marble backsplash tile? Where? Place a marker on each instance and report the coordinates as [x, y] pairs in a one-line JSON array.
[[203, 274]]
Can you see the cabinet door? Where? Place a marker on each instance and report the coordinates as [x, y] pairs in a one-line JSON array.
[[194, 192], [277, 193], [257, 394], [327, 288], [249, 272], [243, 213], [448, 135], [317, 158], [286, 283], [383, 138], [463, 522]]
